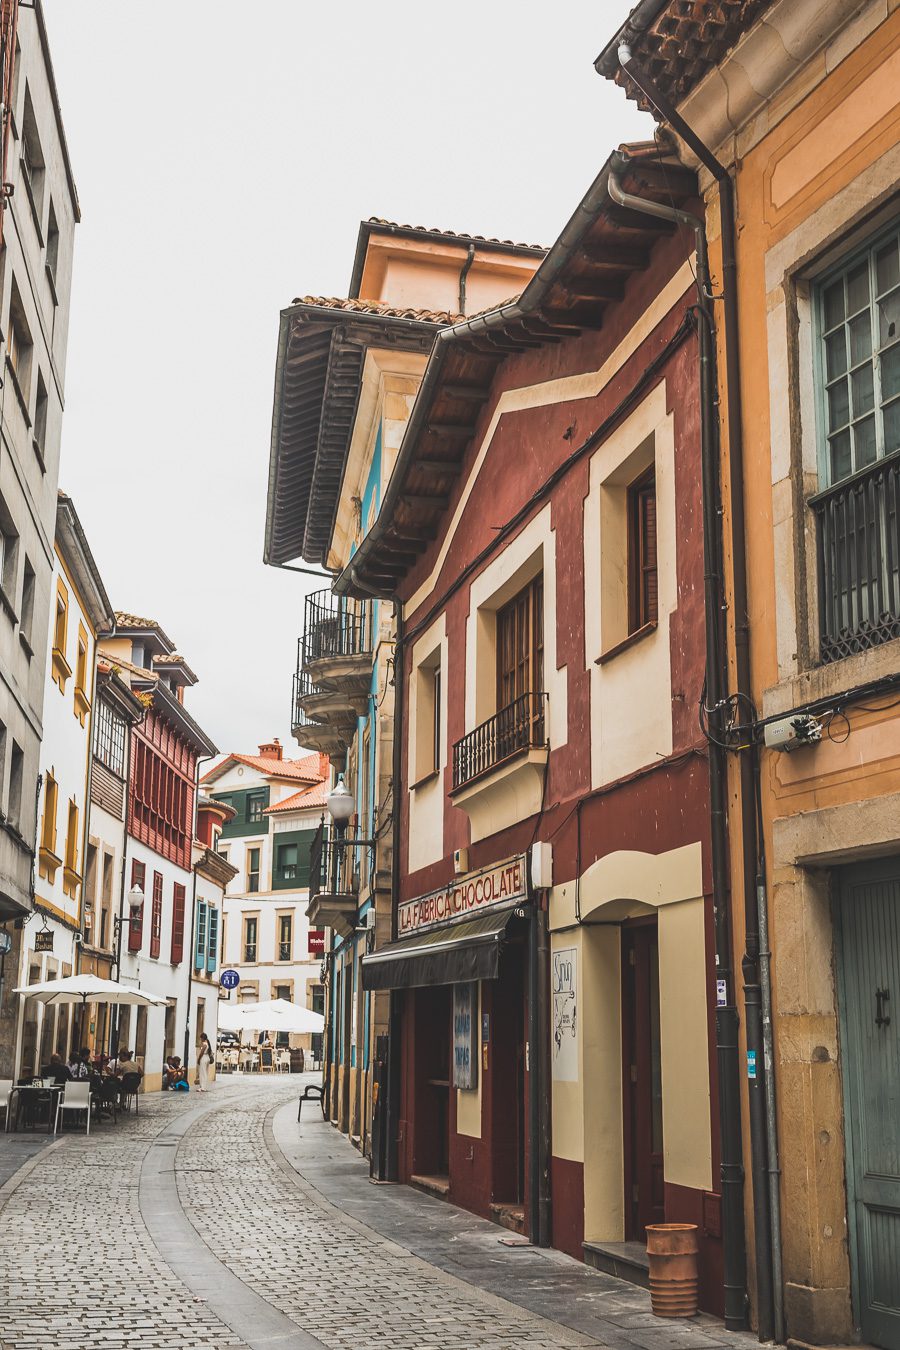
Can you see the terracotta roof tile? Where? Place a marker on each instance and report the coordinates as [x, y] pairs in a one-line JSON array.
[[452, 234], [133, 621], [379, 308], [309, 769], [309, 796]]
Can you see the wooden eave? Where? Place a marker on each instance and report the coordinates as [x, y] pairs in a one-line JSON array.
[[589, 284]]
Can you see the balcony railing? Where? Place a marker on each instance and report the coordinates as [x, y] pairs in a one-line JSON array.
[[518, 727], [335, 863], [303, 687], [336, 627], [859, 560]]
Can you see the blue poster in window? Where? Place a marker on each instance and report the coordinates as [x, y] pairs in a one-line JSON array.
[[465, 1027]]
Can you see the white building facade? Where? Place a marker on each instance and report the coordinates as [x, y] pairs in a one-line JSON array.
[[35, 282], [277, 805]]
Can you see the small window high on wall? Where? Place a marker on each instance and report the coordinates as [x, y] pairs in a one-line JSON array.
[[643, 589]]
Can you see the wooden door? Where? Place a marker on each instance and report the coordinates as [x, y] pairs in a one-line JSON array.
[[642, 1071], [870, 1058]]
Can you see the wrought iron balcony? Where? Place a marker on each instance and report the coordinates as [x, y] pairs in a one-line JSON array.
[[859, 560], [338, 864], [335, 628], [321, 718], [515, 729]]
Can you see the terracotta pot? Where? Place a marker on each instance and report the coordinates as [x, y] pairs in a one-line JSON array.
[[672, 1249]]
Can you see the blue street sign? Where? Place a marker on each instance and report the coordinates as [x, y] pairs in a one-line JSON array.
[[229, 979]]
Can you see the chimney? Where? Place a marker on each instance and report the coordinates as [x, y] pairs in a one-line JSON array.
[[271, 750]]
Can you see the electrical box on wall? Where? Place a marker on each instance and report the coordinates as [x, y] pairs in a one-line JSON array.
[[541, 866], [460, 860]]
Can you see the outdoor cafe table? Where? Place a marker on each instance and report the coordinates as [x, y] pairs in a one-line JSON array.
[[22, 1091]]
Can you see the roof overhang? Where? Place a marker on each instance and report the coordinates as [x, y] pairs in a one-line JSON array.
[[390, 229], [582, 277], [318, 374], [76, 552], [168, 706]]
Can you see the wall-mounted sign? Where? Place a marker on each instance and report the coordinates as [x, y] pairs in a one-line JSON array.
[[564, 977], [229, 979], [43, 940], [465, 1036], [469, 894], [317, 942]]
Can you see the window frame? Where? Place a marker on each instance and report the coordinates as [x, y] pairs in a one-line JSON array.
[[642, 611], [819, 285], [253, 889], [284, 917], [522, 613], [246, 944]]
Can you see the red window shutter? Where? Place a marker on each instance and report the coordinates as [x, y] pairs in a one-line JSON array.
[[136, 920], [156, 915], [177, 924]]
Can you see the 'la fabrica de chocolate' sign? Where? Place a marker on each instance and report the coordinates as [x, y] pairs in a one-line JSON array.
[[466, 895]]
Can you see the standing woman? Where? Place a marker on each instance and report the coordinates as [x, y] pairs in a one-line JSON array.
[[204, 1061]]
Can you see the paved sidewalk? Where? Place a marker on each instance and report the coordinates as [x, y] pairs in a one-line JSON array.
[[217, 1221]]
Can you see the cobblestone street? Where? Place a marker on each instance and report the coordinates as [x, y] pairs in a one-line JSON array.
[[221, 1222]]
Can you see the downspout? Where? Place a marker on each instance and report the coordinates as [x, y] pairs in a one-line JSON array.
[[114, 1034], [732, 1181], [539, 1203], [763, 1143], [466, 268], [190, 951], [392, 1106], [761, 1088]]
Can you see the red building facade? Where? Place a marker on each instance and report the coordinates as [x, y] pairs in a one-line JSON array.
[[553, 962]]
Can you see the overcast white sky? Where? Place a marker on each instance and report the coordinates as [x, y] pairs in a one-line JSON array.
[[225, 153]]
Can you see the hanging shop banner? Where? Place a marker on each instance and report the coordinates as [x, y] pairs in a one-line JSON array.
[[465, 895], [317, 942], [564, 983], [465, 1033], [43, 940]]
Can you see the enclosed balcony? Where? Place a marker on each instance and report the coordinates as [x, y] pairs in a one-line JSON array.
[[859, 560], [337, 864]]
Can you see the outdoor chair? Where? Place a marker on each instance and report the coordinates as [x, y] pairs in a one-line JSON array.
[[128, 1091], [283, 1062], [74, 1097], [106, 1097], [6, 1086]]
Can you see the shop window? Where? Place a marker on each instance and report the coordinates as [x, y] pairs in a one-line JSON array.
[[857, 311], [643, 590], [251, 929], [253, 856], [285, 937]]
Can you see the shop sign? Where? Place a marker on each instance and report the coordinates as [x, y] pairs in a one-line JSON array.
[[465, 1027], [43, 940], [564, 976], [464, 896], [317, 942]]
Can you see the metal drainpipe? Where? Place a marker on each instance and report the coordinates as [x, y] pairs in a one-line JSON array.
[[732, 1180], [761, 1088], [114, 1030], [392, 1106], [466, 268], [539, 1199]]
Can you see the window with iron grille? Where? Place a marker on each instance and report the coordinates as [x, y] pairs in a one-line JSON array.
[[857, 310], [251, 928], [285, 936]]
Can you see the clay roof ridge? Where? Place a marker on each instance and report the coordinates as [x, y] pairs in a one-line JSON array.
[[462, 235], [379, 308]]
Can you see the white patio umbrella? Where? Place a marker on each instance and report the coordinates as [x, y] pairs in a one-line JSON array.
[[278, 1014], [85, 989]]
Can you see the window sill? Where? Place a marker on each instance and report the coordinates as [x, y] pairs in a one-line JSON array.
[[61, 669], [39, 454], [48, 864], [82, 704], [23, 402], [630, 641], [26, 645], [425, 780], [71, 881], [835, 677]]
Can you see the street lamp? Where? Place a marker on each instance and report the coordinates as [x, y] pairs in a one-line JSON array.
[[135, 900], [341, 805]]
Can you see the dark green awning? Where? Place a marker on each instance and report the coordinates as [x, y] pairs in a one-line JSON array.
[[453, 953]]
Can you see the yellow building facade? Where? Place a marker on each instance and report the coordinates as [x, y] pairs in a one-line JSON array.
[[800, 102]]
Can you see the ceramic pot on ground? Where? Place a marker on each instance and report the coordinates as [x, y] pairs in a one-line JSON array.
[[672, 1249]]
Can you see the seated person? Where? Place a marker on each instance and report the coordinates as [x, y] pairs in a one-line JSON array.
[[175, 1072], [80, 1064], [56, 1070], [122, 1063]]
